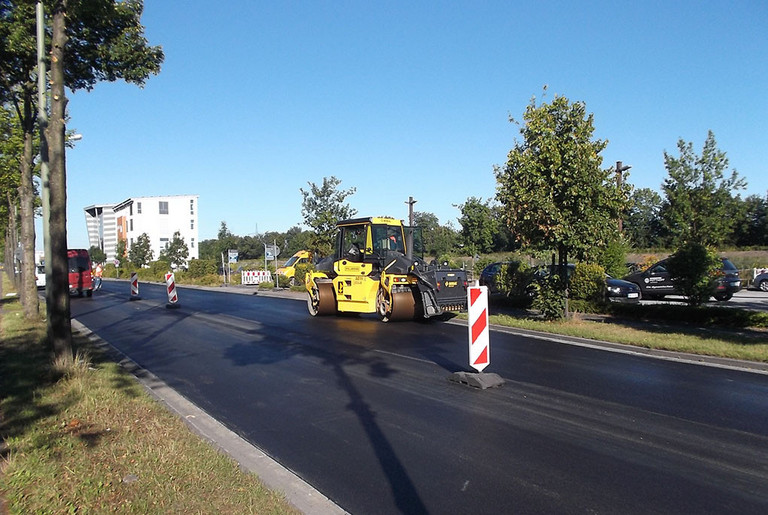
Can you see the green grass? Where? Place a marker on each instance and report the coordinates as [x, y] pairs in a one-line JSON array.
[[735, 341], [84, 437]]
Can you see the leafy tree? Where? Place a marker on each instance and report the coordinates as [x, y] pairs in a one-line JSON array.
[[97, 255], [478, 225], [322, 207], [90, 41], [552, 190], [175, 251], [642, 224], [699, 202], [693, 268], [141, 253], [751, 225]]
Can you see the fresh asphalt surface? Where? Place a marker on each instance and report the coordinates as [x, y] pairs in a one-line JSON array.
[[363, 411]]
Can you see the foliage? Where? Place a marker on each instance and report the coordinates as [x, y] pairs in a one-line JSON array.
[[201, 267], [693, 269], [141, 253], [97, 255], [751, 222], [322, 207], [478, 225], [176, 251], [438, 239], [301, 272], [587, 282], [642, 223], [612, 257], [514, 281], [699, 202], [553, 193], [549, 299]]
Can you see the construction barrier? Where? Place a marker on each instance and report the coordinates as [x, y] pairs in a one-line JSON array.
[[758, 271], [135, 286], [255, 276], [170, 285], [479, 339]]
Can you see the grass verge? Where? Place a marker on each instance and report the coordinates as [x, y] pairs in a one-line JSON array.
[[698, 335], [85, 437]]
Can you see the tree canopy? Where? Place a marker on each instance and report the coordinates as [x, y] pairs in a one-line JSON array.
[[699, 197], [322, 207], [554, 194]]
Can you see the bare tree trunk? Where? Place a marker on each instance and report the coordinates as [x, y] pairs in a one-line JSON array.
[[28, 288], [57, 294]]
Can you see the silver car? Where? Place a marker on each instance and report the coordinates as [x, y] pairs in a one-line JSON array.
[[760, 281]]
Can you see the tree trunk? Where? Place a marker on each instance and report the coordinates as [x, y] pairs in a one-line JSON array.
[[57, 293], [11, 240], [28, 287]]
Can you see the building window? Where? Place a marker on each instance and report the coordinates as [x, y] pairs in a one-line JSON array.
[[192, 242], [138, 208], [192, 207], [131, 224], [191, 224], [163, 207], [163, 243]]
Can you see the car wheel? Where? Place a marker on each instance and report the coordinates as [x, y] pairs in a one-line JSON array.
[[722, 297], [763, 285]]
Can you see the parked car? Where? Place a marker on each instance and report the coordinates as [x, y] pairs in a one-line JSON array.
[[616, 290], [760, 281], [656, 281], [40, 276]]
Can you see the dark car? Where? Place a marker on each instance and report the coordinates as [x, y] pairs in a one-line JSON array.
[[656, 281], [616, 290], [760, 281]]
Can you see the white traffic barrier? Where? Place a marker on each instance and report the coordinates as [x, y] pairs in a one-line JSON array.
[[255, 276], [135, 286], [479, 340], [758, 271], [170, 285]]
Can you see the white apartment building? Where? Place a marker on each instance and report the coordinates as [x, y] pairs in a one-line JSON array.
[[158, 217]]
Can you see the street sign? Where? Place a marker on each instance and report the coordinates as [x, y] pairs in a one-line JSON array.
[[271, 252], [233, 254]]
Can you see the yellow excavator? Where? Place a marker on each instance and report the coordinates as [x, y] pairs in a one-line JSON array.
[[373, 271]]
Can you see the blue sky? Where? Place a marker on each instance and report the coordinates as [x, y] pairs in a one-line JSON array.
[[402, 99]]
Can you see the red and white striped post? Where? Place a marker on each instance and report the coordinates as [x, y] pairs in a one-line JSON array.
[[134, 286], [479, 339], [170, 285]]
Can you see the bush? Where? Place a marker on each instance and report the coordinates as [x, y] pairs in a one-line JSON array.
[[301, 272], [266, 285], [514, 280], [202, 267], [550, 300], [693, 269], [587, 282]]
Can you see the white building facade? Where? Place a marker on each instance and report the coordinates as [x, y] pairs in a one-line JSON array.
[[158, 217]]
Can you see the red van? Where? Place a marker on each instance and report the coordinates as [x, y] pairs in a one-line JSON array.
[[80, 280]]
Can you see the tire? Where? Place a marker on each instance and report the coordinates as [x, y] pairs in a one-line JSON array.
[[763, 285], [89, 293], [722, 297]]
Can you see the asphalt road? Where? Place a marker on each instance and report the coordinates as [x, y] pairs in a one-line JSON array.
[[364, 412]]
